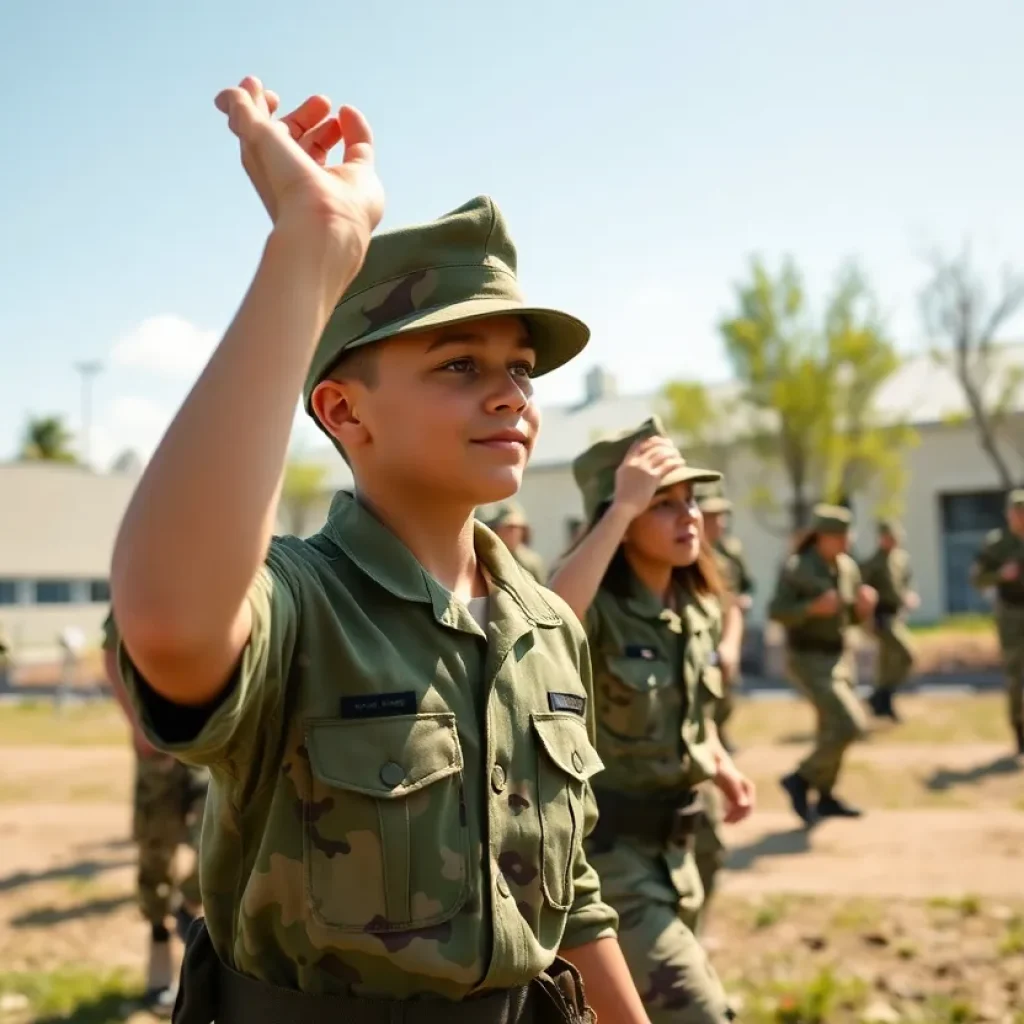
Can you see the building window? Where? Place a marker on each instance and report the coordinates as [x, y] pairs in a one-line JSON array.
[[99, 591], [8, 591], [966, 519], [53, 591]]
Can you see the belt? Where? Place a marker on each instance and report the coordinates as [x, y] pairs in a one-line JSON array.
[[211, 991], [809, 646], [651, 819], [1014, 601]]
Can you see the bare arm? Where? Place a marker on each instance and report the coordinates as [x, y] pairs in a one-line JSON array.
[[199, 524], [578, 576], [731, 644], [611, 993]]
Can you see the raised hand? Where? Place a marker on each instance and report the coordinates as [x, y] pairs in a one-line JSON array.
[[286, 159], [646, 464]]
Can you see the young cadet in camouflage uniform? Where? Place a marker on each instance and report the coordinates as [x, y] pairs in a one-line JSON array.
[[396, 717], [168, 803], [888, 572], [709, 844], [1000, 566], [509, 522], [647, 593], [819, 598]]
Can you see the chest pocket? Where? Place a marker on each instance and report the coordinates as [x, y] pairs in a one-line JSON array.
[[635, 695], [565, 760], [385, 841]]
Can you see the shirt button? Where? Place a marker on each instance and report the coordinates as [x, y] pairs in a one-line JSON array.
[[503, 886], [498, 778], [577, 761], [392, 774]]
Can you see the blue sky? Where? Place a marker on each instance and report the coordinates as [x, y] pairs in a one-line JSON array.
[[641, 153]]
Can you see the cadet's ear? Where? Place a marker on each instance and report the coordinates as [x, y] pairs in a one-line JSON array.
[[335, 405]]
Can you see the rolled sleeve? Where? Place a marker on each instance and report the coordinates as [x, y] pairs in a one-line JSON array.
[[226, 729]]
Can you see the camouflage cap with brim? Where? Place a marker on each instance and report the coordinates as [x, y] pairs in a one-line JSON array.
[[831, 519], [711, 499], [594, 470], [457, 269], [508, 513], [1015, 499]]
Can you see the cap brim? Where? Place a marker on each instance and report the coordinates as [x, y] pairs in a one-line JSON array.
[[556, 336], [715, 505], [689, 475]]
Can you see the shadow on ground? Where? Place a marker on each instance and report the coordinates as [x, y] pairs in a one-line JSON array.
[[946, 778], [45, 917], [80, 869], [775, 844]]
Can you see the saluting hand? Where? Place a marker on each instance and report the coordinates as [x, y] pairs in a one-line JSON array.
[[286, 159], [639, 476]]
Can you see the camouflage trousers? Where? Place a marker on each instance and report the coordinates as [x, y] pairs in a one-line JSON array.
[[895, 658], [658, 894], [827, 682], [1010, 622], [709, 847], [168, 812]]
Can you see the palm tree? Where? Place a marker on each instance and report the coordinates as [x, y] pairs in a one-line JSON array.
[[47, 439]]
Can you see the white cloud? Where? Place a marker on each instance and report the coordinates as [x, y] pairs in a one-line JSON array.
[[168, 345]]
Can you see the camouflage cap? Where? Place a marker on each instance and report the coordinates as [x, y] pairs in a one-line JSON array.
[[831, 519], [711, 499], [1015, 499], [892, 527], [594, 470], [507, 513], [458, 268]]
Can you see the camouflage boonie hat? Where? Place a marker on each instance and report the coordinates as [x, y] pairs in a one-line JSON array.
[[508, 513], [1015, 499], [711, 499], [458, 268], [831, 519], [594, 470]]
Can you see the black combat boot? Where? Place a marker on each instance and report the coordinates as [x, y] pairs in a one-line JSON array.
[[798, 791], [830, 806]]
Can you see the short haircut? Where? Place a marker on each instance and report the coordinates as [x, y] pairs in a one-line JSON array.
[[361, 364]]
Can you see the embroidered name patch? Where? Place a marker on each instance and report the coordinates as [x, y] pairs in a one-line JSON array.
[[567, 702], [379, 705]]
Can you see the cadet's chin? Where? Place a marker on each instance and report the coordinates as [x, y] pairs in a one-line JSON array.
[[498, 484], [686, 553]]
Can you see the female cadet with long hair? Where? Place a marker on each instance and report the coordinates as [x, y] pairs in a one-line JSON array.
[[646, 590], [818, 600]]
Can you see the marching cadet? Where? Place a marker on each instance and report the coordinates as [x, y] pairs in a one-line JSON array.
[[648, 593], [396, 717], [819, 599], [509, 522], [1000, 566], [888, 572]]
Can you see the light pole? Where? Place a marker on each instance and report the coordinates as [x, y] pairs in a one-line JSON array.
[[88, 370]]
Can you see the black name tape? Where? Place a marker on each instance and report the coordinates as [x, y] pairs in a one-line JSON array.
[[379, 705], [641, 652], [567, 702]]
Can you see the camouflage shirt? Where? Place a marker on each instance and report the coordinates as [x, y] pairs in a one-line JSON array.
[[399, 798], [655, 685], [733, 566], [804, 578], [1000, 548], [889, 573]]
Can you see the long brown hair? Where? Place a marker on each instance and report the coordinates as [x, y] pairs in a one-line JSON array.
[[702, 577]]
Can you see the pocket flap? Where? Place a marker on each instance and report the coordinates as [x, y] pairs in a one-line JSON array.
[[641, 673], [565, 740], [383, 757]]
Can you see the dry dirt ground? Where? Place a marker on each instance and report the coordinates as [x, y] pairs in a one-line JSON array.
[[914, 913]]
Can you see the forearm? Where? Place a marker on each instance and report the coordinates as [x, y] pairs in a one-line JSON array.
[[609, 987], [578, 577], [732, 627], [199, 524]]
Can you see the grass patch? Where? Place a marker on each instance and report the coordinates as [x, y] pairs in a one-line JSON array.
[[770, 912], [74, 994], [38, 723], [857, 915], [966, 906], [949, 1010], [1012, 942], [954, 624], [816, 1001]]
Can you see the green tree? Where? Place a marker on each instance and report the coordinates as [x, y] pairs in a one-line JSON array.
[[702, 422], [964, 323], [47, 439], [301, 489], [810, 390]]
